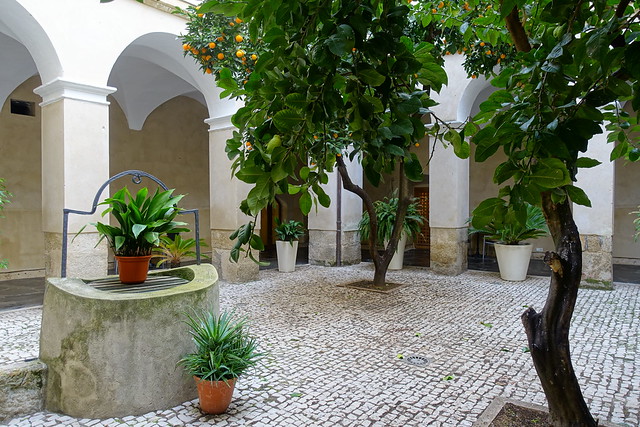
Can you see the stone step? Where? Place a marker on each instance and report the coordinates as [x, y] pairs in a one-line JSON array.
[[21, 389]]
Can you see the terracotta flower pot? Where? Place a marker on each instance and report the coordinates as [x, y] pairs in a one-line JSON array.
[[215, 396], [133, 269]]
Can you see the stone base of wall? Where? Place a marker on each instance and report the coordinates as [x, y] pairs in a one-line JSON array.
[[21, 389], [245, 270], [322, 248], [449, 250], [84, 259], [597, 259]]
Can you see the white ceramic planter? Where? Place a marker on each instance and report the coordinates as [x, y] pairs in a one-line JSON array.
[[287, 253], [513, 260], [398, 258]]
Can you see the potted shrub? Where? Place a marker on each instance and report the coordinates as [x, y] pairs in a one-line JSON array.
[[224, 351], [174, 250], [386, 213], [508, 230], [288, 233], [141, 221]]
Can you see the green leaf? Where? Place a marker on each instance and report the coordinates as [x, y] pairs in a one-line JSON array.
[[305, 202], [371, 77], [287, 120], [413, 169], [296, 101], [250, 174], [577, 195], [586, 162], [549, 178]]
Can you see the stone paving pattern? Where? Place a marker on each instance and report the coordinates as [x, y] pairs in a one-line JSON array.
[[333, 351]]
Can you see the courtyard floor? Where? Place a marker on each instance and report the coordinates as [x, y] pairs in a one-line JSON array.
[[334, 351]]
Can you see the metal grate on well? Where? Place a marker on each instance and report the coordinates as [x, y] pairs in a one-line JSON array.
[[153, 283]]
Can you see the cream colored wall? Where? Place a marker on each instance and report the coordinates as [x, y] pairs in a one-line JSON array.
[[627, 200], [21, 238], [173, 145]]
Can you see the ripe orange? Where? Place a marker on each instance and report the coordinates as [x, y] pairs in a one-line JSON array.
[[440, 5], [186, 46], [238, 21], [240, 53], [212, 45], [254, 57], [239, 38], [481, 43], [221, 55], [208, 71]]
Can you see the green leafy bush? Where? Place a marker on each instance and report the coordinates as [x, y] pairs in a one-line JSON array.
[[502, 224], [142, 220], [289, 231], [224, 350], [174, 250], [386, 214]]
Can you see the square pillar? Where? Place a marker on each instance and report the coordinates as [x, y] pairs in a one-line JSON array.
[[448, 211], [75, 163], [333, 231], [595, 224], [226, 193]]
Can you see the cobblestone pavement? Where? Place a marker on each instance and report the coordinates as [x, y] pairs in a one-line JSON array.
[[333, 351]]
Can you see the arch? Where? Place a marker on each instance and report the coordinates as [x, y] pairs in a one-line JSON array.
[[152, 70], [475, 91], [26, 50]]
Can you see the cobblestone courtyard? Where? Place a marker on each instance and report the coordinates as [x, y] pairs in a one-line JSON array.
[[333, 351]]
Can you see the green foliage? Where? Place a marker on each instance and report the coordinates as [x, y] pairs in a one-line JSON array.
[[289, 231], [142, 220], [172, 251], [471, 28], [636, 223], [334, 78], [502, 223], [224, 350], [554, 98], [386, 214], [5, 195]]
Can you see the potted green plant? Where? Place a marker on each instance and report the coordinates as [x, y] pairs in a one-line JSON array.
[[174, 250], [386, 214], [224, 351], [142, 220], [287, 233], [508, 230]]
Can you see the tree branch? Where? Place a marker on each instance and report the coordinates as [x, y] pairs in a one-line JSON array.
[[518, 34]]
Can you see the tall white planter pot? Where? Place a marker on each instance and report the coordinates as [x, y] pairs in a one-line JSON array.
[[287, 253], [398, 258], [513, 260]]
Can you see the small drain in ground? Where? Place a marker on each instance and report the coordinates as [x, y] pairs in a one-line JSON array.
[[368, 285], [416, 360]]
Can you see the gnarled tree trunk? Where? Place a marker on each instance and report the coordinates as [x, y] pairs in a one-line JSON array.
[[380, 262], [548, 330]]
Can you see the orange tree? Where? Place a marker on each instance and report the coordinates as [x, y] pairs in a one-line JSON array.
[[333, 79], [569, 66]]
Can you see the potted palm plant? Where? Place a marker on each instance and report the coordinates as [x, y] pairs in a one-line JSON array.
[[508, 230], [173, 250], [288, 233], [141, 221], [386, 214], [224, 351]]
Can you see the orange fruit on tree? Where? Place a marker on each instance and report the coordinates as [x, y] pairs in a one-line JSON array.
[[186, 46], [221, 55], [440, 5], [481, 43], [238, 21], [240, 53], [239, 38], [208, 71], [212, 45], [254, 57]]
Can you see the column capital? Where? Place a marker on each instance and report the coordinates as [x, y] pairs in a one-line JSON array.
[[219, 123], [64, 89]]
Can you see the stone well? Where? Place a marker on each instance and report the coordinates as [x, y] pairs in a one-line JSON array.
[[112, 353]]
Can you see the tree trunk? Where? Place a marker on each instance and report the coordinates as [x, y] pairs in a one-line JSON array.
[[380, 262], [548, 330]]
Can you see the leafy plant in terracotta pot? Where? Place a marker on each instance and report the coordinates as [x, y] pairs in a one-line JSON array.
[[288, 233], [224, 351], [141, 221], [500, 223], [385, 211]]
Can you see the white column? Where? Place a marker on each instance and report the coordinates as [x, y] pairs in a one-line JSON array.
[[595, 224], [226, 193], [448, 210], [75, 163], [336, 227]]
